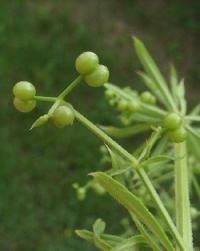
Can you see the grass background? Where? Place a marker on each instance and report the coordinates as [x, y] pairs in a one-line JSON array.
[[39, 41]]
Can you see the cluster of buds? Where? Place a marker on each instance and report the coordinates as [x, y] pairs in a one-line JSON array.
[[81, 191], [128, 102], [134, 108]]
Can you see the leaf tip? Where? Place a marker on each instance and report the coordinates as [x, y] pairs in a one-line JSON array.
[[93, 174]]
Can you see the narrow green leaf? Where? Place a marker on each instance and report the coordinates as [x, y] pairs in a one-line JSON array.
[[119, 166], [193, 118], [161, 146], [128, 244], [134, 205], [99, 227], [116, 160], [181, 96], [111, 240], [101, 244], [173, 82], [193, 143], [138, 117], [40, 121], [153, 71], [148, 238], [125, 132], [152, 86], [196, 110], [113, 172], [157, 160], [97, 241], [196, 185], [156, 134], [194, 131]]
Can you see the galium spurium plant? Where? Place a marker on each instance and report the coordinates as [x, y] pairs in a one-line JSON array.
[[167, 161]]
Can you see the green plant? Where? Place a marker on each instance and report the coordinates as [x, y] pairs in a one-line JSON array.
[[173, 139]]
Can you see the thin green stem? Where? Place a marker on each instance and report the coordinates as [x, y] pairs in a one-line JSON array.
[[183, 216], [63, 94], [160, 207], [70, 87], [45, 99], [142, 174], [106, 139], [152, 243]]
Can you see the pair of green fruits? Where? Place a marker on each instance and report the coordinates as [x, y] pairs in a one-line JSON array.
[[174, 125], [24, 93]]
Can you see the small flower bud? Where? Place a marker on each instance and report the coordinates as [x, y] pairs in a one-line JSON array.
[[40, 121], [109, 94], [122, 105], [81, 193], [148, 98], [133, 106]]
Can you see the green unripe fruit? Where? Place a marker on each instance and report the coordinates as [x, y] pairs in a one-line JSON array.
[[172, 121], [97, 77], [86, 62], [98, 189], [24, 106], [24, 90], [148, 98], [178, 135], [133, 106], [63, 116], [109, 94], [81, 193], [122, 105]]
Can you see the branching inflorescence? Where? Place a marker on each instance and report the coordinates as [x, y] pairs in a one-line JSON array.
[[134, 178]]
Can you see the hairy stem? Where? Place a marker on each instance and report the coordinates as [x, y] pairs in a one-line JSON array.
[[183, 217]]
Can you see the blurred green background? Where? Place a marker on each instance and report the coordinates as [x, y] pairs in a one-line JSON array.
[[39, 41]]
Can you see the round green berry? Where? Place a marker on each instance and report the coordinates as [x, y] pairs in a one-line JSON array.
[[24, 90], [24, 106], [63, 116], [172, 121], [81, 193], [97, 77], [148, 98], [133, 106], [122, 105], [109, 94], [178, 135], [86, 62]]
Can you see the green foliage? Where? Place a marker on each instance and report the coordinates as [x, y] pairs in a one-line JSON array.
[[39, 41], [118, 181]]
